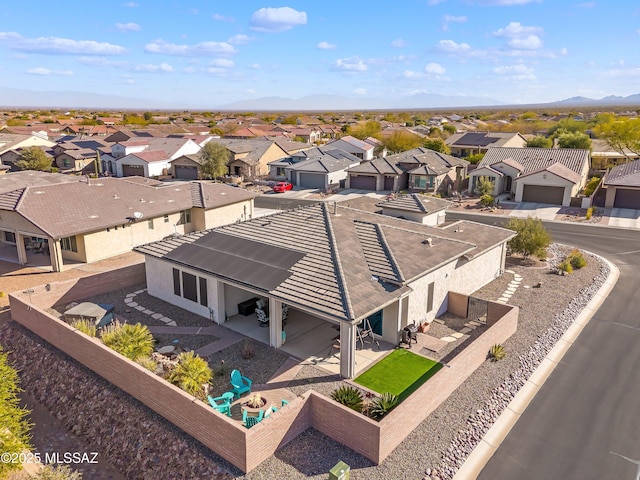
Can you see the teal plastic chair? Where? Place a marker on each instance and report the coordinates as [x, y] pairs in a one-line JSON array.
[[250, 420], [240, 383], [221, 404]]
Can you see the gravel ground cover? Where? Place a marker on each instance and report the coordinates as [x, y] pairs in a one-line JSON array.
[[185, 342]]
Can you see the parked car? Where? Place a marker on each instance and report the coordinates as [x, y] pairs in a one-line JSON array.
[[281, 187]]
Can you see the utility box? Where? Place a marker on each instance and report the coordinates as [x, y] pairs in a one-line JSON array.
[[340, 471]]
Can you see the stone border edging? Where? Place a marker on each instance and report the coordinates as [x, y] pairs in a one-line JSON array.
[[494, 437]]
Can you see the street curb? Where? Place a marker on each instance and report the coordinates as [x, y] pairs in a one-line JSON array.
[[494, 437]]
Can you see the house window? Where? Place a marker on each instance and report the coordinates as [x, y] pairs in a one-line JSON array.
[[166, 219], [185, 217], [280, 172], [203, 291], [10, 237], [420, 182], [189, 290], [430, 297], [66, 162], [69, 244], [150, 224], [191, 287], [176, 282]]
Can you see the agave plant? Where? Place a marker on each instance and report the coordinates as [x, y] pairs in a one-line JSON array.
[[497, 352], [383, 405], [191, 373], [132, 341], [349, 397]]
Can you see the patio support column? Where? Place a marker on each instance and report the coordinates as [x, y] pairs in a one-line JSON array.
[[275, 323], [347, 349], [22, 252], [55, 253], [220, 307]]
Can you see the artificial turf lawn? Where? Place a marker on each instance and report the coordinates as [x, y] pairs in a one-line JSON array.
[[401, 373]]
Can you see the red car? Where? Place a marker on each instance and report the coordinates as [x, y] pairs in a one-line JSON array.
[[281, 187]]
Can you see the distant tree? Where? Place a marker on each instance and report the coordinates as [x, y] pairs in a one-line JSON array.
[[401, 141], [370, 128], [89, 121], [531, 239], [568, 125], [474, 158], [528, 116], [14, 430], [436, 144], [450, 129], [540, 142], [34, 158], [148, 116], [214, 158], [621, 135], [574, 140], [290, 120]]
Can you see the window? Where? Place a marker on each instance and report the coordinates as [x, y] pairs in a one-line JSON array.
[[176, 282], [420, 182], [69, 244], [203, 292], [185, 217], [280, 172], [430, 297], [66, 162], [189, 290], [150, 224], [10, 237], [166, 219]]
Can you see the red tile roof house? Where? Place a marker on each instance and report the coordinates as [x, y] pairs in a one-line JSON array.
[[337, 264], [85, 220], [541, 175]]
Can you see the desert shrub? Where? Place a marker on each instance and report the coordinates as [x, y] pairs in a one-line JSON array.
[[497, 352], [531, 239], [565, 267], [191, 374], [248, 350], [591, 186], [349, 397], [486, 200], [589, 213], [148, 363], [49, 472], [383, 405], [85, 326], [576, 259], [132, 341]]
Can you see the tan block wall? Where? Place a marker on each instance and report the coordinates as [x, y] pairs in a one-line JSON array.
[[458, 304]]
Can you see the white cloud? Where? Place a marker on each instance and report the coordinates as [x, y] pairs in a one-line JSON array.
[[398, 43], [624, 73], [450, 46], [128, 27], [153, 68], [447, 19], [250, 91], [434, 69], [532, 42], [515, 72], [222, 63], [131, 4], [435, 2], [326, 46], [202, 49], [189, 70], [59, 46], [101, 62], [360, 91], [350, 65], [273, 20], [222, 18], [217, 72], [520, 36], [46, 71], [504, 3], [255, 66], [413, 75], [586, 5], [239, 39]]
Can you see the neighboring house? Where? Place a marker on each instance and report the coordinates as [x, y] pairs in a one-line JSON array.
[[9, 141], [10, 157], [250, 158], [148, 163], [603, 157], [309, 135], [377, 175], [129, 161], [76, 161], [85, 220], [359, 148], [186, 167], [540, 175], [622, 184], [423, 209], [337, 264], [465, 144], [321, 169]]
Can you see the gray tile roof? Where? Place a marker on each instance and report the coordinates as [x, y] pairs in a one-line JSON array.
[[535, 159], [627, 175], [324, 164], [424, 156], [415, 203], [28, 178], [379, 166], [479, 139], [559, 170], [354, 261]]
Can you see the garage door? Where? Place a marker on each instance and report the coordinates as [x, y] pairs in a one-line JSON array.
[[187, 173], [311, 180], [388, 183], [132, 170], [627, 198], [362, 182], [541, 194]]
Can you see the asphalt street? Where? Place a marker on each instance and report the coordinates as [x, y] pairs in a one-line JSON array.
[[585, 421]]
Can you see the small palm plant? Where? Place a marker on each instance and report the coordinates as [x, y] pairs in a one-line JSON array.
[[132, 341], [349, 397], [383, 405], [497, 352], [191, 373]]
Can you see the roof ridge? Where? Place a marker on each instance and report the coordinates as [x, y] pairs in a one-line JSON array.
[[346, 301], [392, 259], [419, 203]]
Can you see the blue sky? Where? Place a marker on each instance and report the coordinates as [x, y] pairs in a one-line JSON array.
[[209, 53]]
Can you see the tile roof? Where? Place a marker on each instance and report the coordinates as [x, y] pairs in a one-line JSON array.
[[377, 166], [28, 178], [415, 203], [534, 159], [559, 170], [422, 156], [627, 175], [151, 156], [480, 139], [354, 262]]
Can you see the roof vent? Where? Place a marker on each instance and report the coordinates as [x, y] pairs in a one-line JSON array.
[[428, 241]]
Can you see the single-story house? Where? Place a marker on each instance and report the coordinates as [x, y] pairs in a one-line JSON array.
[[604, 157], [361, 149], [467, 143], [314, 168], [622, 184], [84, 220], [148, 163], [250, 158], [540, 175], [378, 174], [417, 208], [335, 263], [186, 167], [150, 157]]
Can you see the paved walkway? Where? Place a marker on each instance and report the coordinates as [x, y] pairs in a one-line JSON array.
[[511, 288]]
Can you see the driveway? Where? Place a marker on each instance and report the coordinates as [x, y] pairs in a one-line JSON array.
[[542, 211], [623, 217]]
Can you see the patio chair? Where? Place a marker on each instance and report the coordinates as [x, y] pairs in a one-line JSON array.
[[285, 312], [221, 404], [262, 317], [240, 383], [250, 420]]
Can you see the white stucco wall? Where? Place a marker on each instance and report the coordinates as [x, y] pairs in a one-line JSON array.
[[432, 219], [205, 219]]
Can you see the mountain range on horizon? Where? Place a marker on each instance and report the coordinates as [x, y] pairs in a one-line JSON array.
[[11, 97]]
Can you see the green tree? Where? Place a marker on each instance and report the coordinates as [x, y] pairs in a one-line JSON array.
[[148, 116], [290, 120], [474, 158], [531, 239], [540, 142], [450, 129], [14, 427], [370, 128], [401, 141], [485, 186], [621, 135], [34, 158], [569, 125], [436, 144], [214, 157], [574, 140]]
